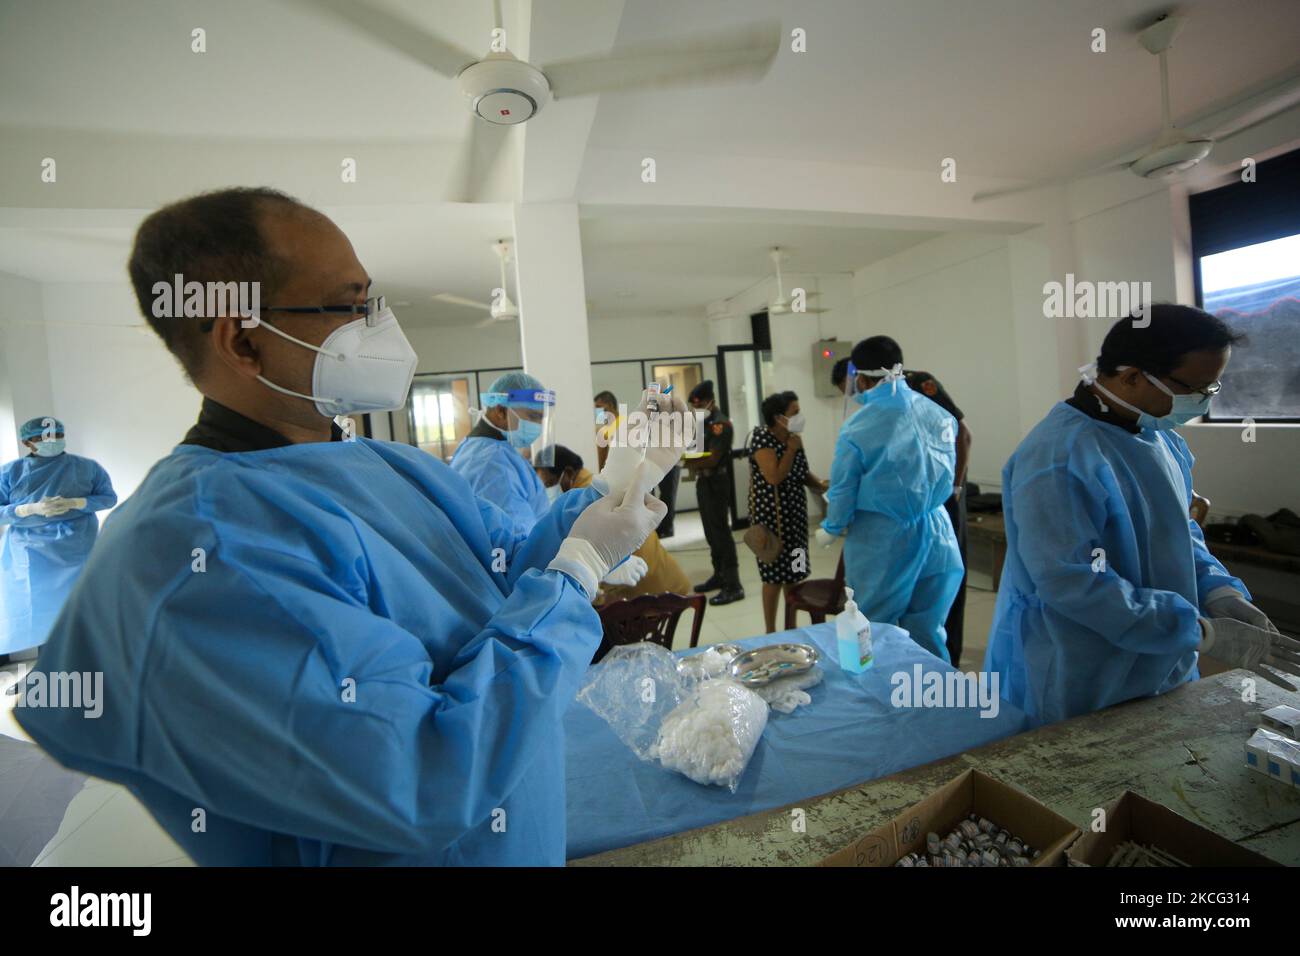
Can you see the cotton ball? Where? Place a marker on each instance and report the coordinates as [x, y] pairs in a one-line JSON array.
[[711, 736]]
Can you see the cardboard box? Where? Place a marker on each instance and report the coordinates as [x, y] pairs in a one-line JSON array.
[[1134, 818], [972, 792]]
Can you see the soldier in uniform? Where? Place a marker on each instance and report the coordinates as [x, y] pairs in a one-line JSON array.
[[889, 352], [713, 492]]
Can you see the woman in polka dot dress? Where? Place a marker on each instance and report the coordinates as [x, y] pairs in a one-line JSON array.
[[778, 473]]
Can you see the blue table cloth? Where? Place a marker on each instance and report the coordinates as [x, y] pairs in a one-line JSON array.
[[849, 734]]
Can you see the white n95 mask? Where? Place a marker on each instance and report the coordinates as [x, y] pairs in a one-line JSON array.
[[365, 365]]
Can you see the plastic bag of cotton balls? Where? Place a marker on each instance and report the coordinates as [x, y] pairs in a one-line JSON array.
[[703, 727], [711, 735], [633, 689]]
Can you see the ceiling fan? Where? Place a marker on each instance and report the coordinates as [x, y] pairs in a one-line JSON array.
[[500, 309], [504, 90], [1176, 150], [782, 304]]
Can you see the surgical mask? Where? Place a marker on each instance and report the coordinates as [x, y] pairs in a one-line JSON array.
[[553, 492], [794, 424], [1185, 407], [50, 447], [523, 436], [365, 365], [600, 416]]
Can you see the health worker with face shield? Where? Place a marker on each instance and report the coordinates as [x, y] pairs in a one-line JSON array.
[[893, 469], [515, 421], [334, 647], [1109, 592], [48, 500]]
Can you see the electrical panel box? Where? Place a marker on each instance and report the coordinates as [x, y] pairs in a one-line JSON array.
[[825, 354]]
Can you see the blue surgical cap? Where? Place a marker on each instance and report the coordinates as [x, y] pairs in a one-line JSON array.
[[36, 427], [515, 381]]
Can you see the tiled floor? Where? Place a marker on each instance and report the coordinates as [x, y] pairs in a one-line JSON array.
[[106, 826]]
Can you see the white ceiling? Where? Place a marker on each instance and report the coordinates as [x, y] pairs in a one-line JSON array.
[[639, 262], [1007, 87], [272, 70], [411, 252]]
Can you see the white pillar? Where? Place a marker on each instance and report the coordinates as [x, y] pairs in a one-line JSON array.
[[553, 317]]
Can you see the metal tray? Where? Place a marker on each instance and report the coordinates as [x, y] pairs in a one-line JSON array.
[[765, 664]]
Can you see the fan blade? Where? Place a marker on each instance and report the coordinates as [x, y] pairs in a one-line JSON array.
[[1257, 109], [458, 300], [741, 54], [395, 31], [490, 320]]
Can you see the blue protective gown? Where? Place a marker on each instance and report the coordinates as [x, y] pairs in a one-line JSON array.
[[1104, 573], [40, 558], [893, 470], [497, 472], [339, 676]]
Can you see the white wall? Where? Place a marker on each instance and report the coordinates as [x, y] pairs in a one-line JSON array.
[[651, 336], [454, 348], [969, 309], [24, 361], [947, 303], [119, 392]]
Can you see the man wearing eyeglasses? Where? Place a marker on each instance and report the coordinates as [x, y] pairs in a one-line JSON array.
[[319, 651], [1109, 592]]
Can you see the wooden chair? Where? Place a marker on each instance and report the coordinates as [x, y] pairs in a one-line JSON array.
[[818, 596], [649, 617]]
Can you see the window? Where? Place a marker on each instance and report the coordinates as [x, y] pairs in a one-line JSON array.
[[439, 410], [682, 377], [1246, 249]]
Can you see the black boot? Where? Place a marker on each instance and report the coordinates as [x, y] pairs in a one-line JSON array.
[[728, 596], [712, 584]]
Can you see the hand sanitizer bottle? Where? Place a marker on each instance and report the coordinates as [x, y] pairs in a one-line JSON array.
[[853, 637]]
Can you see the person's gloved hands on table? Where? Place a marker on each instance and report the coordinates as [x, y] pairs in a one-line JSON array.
[[625, 463], [1228, 602], [629, 572], [1245, 645], [607, 531], [824, 537]]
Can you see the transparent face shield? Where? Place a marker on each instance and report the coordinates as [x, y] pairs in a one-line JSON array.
[[851, 389], [530, 425], [855, 388]]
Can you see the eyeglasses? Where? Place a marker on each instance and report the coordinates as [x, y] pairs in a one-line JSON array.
[[368, 310], [1212, 389]]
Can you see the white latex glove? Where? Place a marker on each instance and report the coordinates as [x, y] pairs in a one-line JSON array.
[[46, 508], [624, 463], [607, 531], [628, 573], [60, 506], [824, 537], [1245, 645], [1228, 602]]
